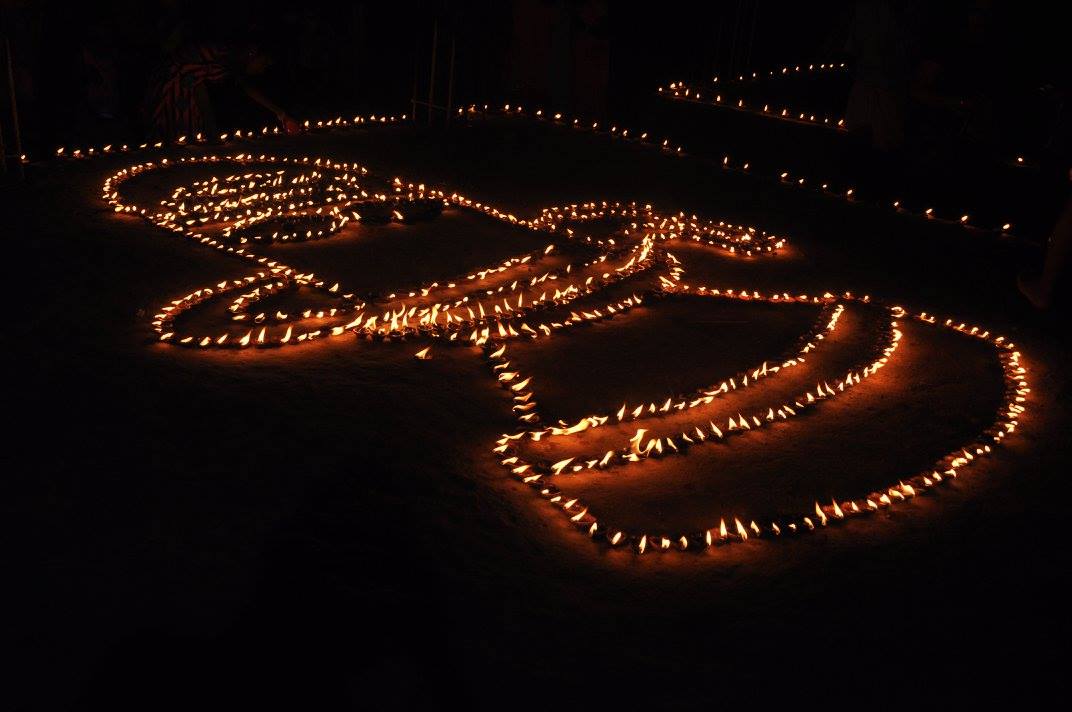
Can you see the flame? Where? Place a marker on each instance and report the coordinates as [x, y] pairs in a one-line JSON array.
[[741, 531]]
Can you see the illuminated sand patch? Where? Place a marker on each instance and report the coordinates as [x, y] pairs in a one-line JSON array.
[[552, 479], [811, 361], [380, 258], [845, 449], [664, 348]]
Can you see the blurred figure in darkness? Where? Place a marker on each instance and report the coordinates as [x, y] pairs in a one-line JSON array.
[[560, 54], [179, 103], [1040, 290], [878, 43], [102, 78]]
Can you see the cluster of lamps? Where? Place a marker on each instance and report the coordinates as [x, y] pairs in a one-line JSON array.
[[258, 199], [846, 192], [481, 305], [701, 429]]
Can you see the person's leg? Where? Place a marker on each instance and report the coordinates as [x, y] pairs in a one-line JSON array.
[[1040, 291], [204, 115]]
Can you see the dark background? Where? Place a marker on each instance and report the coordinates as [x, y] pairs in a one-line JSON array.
[[998, 83], [82, 69], [202, 535]]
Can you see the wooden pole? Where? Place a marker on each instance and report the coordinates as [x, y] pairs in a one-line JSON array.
[[736, 33], [416, 75], [752, 36], [431, 78], [3, 150], [3, 146], [14, 105], [450, 83]]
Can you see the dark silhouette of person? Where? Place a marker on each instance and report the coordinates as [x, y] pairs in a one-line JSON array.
[[179, 103], [1040, 290]]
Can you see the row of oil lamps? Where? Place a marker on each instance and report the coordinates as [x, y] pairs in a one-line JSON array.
[[684, 92], [847, 192]]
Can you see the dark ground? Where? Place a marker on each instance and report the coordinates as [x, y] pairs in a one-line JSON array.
[[324, 527]]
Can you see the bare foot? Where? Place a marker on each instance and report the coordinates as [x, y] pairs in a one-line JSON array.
[[1033, 291]]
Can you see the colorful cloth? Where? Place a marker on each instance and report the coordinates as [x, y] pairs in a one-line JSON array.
[[178, 102]]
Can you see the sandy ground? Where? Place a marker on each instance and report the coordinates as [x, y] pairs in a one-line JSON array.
[[326, 525]]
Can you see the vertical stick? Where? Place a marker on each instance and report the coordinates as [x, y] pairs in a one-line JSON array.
[[3, 146], [450, 83], [431, 78], [3, 150], [752, 36], [416, 74], [736, 32], [14, 105], [717, 68]]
